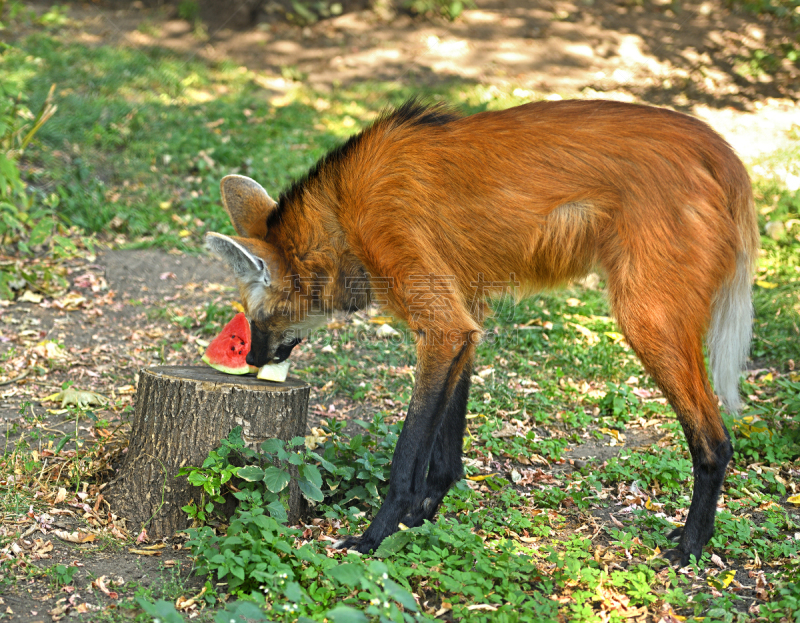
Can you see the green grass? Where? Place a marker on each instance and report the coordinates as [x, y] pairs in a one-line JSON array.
[[138, 147], [777, 323], [143, 137]]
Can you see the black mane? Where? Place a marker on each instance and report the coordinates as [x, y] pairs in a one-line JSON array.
[[412, 112]]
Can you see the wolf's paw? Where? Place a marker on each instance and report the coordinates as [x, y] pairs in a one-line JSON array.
[[361, 544], [676, 557], [425, 509]]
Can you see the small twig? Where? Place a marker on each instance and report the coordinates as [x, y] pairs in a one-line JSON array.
[[54, 430]]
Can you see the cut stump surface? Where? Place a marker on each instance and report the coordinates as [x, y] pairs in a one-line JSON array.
[[182, 413]]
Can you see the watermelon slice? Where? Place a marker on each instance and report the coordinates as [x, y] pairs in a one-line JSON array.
[[228, 350]]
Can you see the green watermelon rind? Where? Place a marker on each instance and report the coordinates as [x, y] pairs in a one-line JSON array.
[[248, 369]]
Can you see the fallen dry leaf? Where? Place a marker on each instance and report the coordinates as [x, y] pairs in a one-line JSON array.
[[60, 609], [77, 398], [100, 584], [70, 302], [74, 537], [613, 433], [183, 604], [60, 496], [762, 586], [508, 430], [48, 349], [481, 477], [30, 297], [669, 616], [41, 547]]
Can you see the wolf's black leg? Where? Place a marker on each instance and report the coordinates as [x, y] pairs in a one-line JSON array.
[[408, 480], [445, 467]]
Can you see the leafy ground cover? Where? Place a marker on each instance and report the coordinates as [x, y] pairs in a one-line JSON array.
[[576, 468]]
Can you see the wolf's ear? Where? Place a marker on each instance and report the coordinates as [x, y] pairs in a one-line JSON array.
[[246, 257], [247, 204]]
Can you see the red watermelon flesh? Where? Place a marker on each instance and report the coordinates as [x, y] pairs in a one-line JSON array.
[[228, 350]]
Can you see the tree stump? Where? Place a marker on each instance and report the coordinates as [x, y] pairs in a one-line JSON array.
[[182, 413]]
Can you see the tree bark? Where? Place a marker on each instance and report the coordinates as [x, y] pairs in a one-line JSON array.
[[182, 413]]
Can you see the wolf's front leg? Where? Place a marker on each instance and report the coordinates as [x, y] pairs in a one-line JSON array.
[[436, 383], [445, 467]]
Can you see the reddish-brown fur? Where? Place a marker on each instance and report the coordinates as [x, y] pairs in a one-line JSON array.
[[538, 195]]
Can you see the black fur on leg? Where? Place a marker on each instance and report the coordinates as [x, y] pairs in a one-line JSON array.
[[412, 455], [708, 478], [445, 467]]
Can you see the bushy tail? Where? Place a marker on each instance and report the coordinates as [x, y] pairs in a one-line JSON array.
[[731, 327], [730, 332]]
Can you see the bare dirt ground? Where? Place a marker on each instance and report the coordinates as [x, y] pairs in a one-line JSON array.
[[111, 327], [685, 55], [116, 320]]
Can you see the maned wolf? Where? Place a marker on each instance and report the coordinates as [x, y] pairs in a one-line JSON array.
[[432, 212]]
